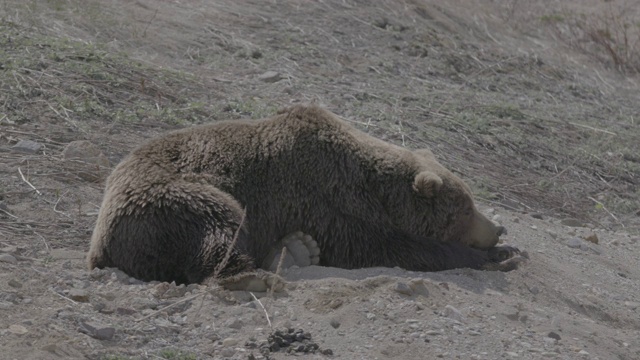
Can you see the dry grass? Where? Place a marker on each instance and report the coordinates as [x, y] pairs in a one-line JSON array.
[[610, 34]]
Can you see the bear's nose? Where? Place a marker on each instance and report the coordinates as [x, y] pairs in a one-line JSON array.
[[502, 230]]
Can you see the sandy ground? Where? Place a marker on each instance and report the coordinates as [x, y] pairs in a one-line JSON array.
[[494, 96]]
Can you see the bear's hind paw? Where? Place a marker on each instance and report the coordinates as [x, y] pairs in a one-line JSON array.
[[302, 251]]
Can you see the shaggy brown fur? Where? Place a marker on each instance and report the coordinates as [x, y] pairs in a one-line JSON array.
[[172, 207]]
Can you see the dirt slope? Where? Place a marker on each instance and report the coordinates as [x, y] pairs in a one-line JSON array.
[[544, 130]]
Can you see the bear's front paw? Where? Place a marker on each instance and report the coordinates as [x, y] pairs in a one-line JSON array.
[[301, 251], [505, 258]]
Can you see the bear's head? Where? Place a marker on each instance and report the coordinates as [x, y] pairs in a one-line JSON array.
[[441, 206]]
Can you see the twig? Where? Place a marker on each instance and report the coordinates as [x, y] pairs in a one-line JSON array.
[[8, 213], [594, 129], [28, 183], [170, 306], [56, 205], [227, 255], [263, 309], [607, 210], [44, 241], [283, 254], [64, 297]]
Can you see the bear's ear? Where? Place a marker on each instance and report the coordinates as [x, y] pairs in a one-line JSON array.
[[427, 183]]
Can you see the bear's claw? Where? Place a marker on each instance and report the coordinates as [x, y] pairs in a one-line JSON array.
[[505, 258]]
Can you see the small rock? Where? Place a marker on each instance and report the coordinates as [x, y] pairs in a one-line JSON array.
[[516, 220], [96, 331], [125, 311], [592, 238], [270, 77], [235, 324], [554, 335], [577, 243], [497, 218], [8, 259], [26, 146], [18, 329], [631, 305], [403, 288], [15, 283], [583, 353], [9, 249], [230, 342], [537, 216], [511, 354], [571, 222], [5, 305], [334, 323], [79, 295], [227, 352], [453, 313], [553, 234]]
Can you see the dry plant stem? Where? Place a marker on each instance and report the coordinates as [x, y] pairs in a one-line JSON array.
[[58, 201], [8, 213], [592, 128], [170, 306], [66, 298], [263, 309], [607, 210], [283, 254], [44, 241], [28, 183], [227, 255]]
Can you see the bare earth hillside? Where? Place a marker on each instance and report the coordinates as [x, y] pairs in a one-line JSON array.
[[535, 104]]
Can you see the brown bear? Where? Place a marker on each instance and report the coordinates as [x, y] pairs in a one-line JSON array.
[[173, 206]]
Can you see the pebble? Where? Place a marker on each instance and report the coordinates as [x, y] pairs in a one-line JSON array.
[[577, 243], [235, 324], [15, 283], [270, 77], [571, 222], [537, 216], [553, 234], [554, 335], [18, 329], [96, 331], [8, 258], [230, 342], [592, 238], [79, 295], [334, 323], [402, 288], [26, 146], [632, 304], [227, 352], [511, 353], [453, 313]]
